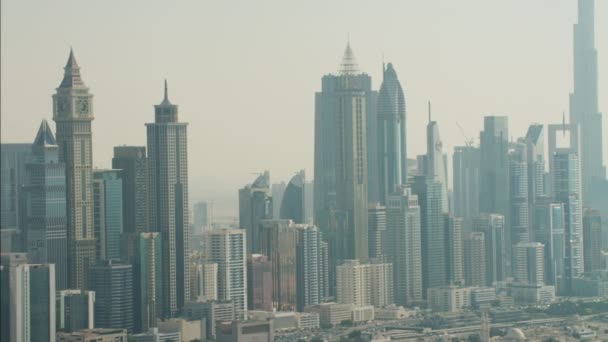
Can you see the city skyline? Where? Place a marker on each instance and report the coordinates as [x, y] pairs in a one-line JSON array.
[[437, 79]]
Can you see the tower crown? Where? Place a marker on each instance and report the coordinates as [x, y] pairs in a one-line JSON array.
[[165, 112], [72, 100], [71, 75], [349, 65]]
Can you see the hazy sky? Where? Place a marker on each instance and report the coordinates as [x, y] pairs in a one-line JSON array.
[[244, 73]]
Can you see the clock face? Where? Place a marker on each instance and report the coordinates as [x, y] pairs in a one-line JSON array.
[[62, 106], [82, 106]]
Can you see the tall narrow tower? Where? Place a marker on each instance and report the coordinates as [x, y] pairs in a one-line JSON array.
[[168, 172], [73, 113], [584, 109]]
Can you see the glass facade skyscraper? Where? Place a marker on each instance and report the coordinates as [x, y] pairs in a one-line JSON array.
[[107, 197]]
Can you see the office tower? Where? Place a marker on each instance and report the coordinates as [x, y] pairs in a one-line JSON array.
[[27, 300], [168, 205], [566, 188], [276, 191], [364, 284], [529, 263], [147, 281], [493, 228], [549, 218], [278, 241], [453, 242], [466, 175], [75, 310], [518, 195], [259, 286], [592, 240], [107, 201], [204, 280], [311, 267], [494, 176], [435, 162], [330, 106], [392, 135], [10, 241], [133, 165], [474, 259], [404, 249], [376, 218], [434, 250], [112, 282], [44, 221], [293, 204], [202, 216], [73, 113], [584, 110], [12, 175], [255, 204], [228, 248], [535, 153]]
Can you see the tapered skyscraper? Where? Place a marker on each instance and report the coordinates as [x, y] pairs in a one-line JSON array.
[[584, 109], [392, 146], [168, 171], [73, 113]]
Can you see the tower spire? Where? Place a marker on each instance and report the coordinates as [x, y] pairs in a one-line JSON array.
[[429, 109], [348, 66], [166, 91]]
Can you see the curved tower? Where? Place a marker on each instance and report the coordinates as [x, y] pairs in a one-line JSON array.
[[292, 205], [73, 113], [392, 147]]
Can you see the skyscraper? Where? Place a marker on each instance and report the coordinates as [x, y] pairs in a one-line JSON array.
[[435, 165], [433, 240], [168, 206], [351, 159], [147, 281], [364, 284], [404, 248], [228, 248], [255, 205], [259, 286], [453, 242], [75, 310], [566, 188], [27, 300], [311, 267], [133, 165], [493, 228], [549, 218], [12, 175], [529, 263], [518, 195], [592, 238], [378, 240], [73, 113], [392, 134], [466, 175], [494, 177], [44, 221], [535, 153], [584, 109], [112, 282], [278, 242], [202, 216], [293, 201], [474, 259], [107, 199]]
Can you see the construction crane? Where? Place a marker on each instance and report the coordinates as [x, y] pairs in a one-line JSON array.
[[467, 141]]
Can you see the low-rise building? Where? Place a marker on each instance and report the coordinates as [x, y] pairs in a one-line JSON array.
[[449, 298], [153, 335], [533, 293], [94, 335], [483, 297], [245, 331], [188, 329], [362, 313], [393, 312], [330, 314], [591, 284], [307, 320], [209, 312]]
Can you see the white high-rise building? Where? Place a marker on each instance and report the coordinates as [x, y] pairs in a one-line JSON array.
[[529, 263], [227, 248], [364, 284]]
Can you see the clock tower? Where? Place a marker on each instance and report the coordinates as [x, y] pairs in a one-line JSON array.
[[73, 113]]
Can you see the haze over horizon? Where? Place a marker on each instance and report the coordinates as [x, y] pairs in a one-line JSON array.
[[244, 76]]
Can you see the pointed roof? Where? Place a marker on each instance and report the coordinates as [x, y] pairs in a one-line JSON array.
[[45, 136], [71, 75], [166, 101], [349, 65]]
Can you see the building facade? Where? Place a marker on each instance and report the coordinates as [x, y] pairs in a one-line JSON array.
[[107, 202], [112, 282]]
